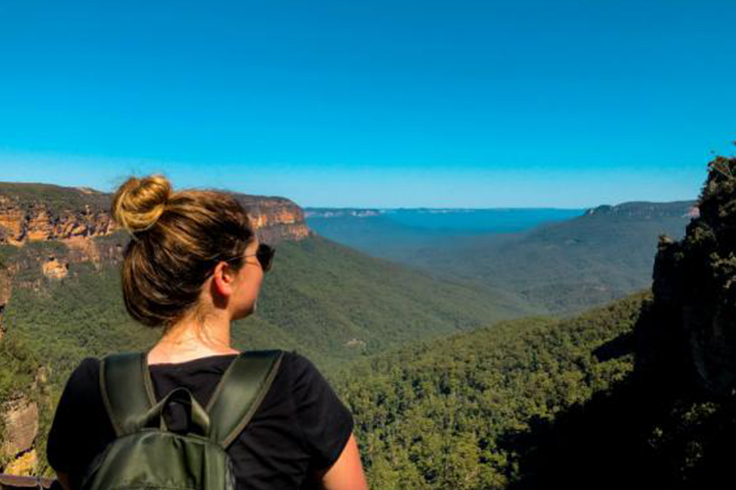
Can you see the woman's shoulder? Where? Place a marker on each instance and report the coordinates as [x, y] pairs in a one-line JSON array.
[[87, 369], [83, 381], [299, 365], [291, 360]]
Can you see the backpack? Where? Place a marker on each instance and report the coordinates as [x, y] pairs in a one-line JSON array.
[[146, 454]]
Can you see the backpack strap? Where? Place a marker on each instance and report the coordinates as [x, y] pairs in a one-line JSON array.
[[239, 393], [127, 390]]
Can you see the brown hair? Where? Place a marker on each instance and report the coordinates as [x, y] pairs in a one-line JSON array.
[[177, 239]]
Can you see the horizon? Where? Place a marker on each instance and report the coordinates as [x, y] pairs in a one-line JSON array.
[[402, 104], [401, 208]]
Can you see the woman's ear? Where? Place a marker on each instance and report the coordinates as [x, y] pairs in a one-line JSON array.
[[223, 278]]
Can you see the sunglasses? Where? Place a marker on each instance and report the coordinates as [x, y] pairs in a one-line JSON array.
[[264, 254]]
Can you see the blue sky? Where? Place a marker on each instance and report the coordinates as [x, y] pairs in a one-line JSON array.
[[373, 103]]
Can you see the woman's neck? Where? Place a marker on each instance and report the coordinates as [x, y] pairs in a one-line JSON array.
[[189, 340]]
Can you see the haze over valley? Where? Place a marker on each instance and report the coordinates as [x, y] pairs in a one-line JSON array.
[[559, 261]]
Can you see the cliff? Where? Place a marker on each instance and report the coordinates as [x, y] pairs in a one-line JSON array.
[[38, 212], [275, 218], [692, 338], [20, 422]]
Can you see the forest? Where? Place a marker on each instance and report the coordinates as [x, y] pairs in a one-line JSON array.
[[457, 413]]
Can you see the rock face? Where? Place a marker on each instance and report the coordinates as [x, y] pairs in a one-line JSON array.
[[20, 419], [693, 335], [24, 465], [275, 218], [46, 212], [34, 212], [54, 269]]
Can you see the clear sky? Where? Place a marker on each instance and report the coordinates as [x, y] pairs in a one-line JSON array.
[[373, 103]]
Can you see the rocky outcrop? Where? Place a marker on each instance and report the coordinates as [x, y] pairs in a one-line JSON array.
[[12, 222], [692, 336], [54, 269], [24, 465], [20, 422], [33, 212], [275, 218]]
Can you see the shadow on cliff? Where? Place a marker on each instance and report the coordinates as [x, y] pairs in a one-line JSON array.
[[655, 429]]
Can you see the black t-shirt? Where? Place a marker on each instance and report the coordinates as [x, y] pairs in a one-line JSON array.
[[300, 426]]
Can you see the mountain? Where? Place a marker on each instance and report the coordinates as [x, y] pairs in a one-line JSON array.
[[568, 266], [559, 261]]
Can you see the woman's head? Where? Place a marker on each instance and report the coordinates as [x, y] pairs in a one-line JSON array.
[[179, 240]]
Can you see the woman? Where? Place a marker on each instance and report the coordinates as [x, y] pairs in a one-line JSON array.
[[193, 266]]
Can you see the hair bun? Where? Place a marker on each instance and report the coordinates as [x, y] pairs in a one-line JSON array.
[[138, 203]]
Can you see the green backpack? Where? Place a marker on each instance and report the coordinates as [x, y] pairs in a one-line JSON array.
[[146, 454]]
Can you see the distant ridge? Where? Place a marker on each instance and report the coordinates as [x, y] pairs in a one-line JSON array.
[[647, 209]]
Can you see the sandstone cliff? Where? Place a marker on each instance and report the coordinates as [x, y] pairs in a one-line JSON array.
[[36, 212], [275, 218], [49, 212], [20, 422]]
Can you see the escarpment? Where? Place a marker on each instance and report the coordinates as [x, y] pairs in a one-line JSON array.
[[41, 212], [36, 212]]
